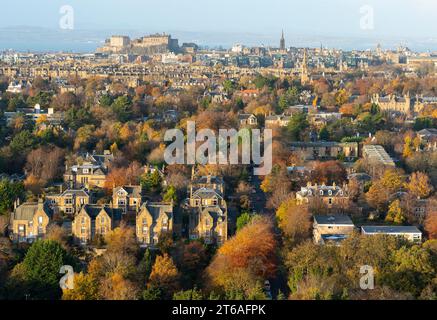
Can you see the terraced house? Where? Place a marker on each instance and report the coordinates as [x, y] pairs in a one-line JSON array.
[[94, 221], [29, 221], [333, 196]]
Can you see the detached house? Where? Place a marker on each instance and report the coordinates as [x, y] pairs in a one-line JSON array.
[[154, 220], [247, 120], [94, 221], [208, 212], [70, 201], [91, 173], [86, 176], [332, 229], [29, 221]]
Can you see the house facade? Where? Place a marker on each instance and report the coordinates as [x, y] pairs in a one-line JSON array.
[[154, 220], [29, 221], [94, 221]]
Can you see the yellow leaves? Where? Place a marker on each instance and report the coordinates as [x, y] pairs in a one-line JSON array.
[[85, 288], [266, 184], [164, 273], [419, 185]]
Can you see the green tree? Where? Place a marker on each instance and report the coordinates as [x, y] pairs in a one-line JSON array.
[[193, 294], [38, 274], [324, 134], [170, 195], [243, 220], [23, 141], [9, 192], [297, 125], [122, 107]]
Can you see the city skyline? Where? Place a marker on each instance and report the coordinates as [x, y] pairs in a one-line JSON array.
[[335, 24]]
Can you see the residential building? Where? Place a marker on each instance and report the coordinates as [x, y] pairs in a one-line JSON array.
[[127, 198], [247, 120], [277, 121], [154, 220], [207, 208], [333, 196], [29, 221], [377, 155], [94, 221], [410, 233], [70, 201], [332, 229], [325, 150]]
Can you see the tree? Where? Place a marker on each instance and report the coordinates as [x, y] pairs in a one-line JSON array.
[[324, 134], [170, 195], [431, 224], [243, 220], [297, 126], [294, 220], [22, 141], [57, 234], [420, 185], [165, 276], [86, 287], [396, 213], [122, 108], [9, 193], [39, 271], [246, 260], [329, 172], [116, 287], [193, 294], [151, 181]]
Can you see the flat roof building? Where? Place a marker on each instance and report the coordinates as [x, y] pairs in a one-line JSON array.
[[410, 233], [377, 154]]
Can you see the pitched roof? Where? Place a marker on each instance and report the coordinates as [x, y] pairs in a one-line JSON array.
[[28, 209]]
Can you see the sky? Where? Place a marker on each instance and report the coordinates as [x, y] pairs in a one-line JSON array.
[[395, 19]]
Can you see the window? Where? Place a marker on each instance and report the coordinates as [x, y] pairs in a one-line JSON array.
[[121, 202], [83, 230], [68, 210], [82, 220], [330, 192], [68, 201], [40, 220], [321, 192], [330, 200], [86, 171]]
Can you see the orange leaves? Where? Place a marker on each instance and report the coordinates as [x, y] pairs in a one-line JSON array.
[[252, 250]]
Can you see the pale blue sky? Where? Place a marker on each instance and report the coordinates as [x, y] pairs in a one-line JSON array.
[[416, 18], [221, 22]]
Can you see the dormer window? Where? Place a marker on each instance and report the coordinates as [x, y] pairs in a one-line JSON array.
[[86, 171], [330, 192], [321, 192]]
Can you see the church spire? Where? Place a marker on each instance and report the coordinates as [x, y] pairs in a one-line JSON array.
[[282, 43]]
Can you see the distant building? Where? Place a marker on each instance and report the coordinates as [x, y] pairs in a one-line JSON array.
[[324, 150], [332, 229], [277, 121], [282, 42], [247, 120], [332, 196], [408, 232]]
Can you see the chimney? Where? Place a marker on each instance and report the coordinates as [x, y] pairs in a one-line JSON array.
[[208, 179]]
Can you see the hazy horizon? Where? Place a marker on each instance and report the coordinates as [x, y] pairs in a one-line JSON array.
[[334, 23]]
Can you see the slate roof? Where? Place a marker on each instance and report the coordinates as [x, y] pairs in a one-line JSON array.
[[28, 209]]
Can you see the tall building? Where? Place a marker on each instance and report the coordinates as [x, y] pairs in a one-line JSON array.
[[304, 78], [282, 43]]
